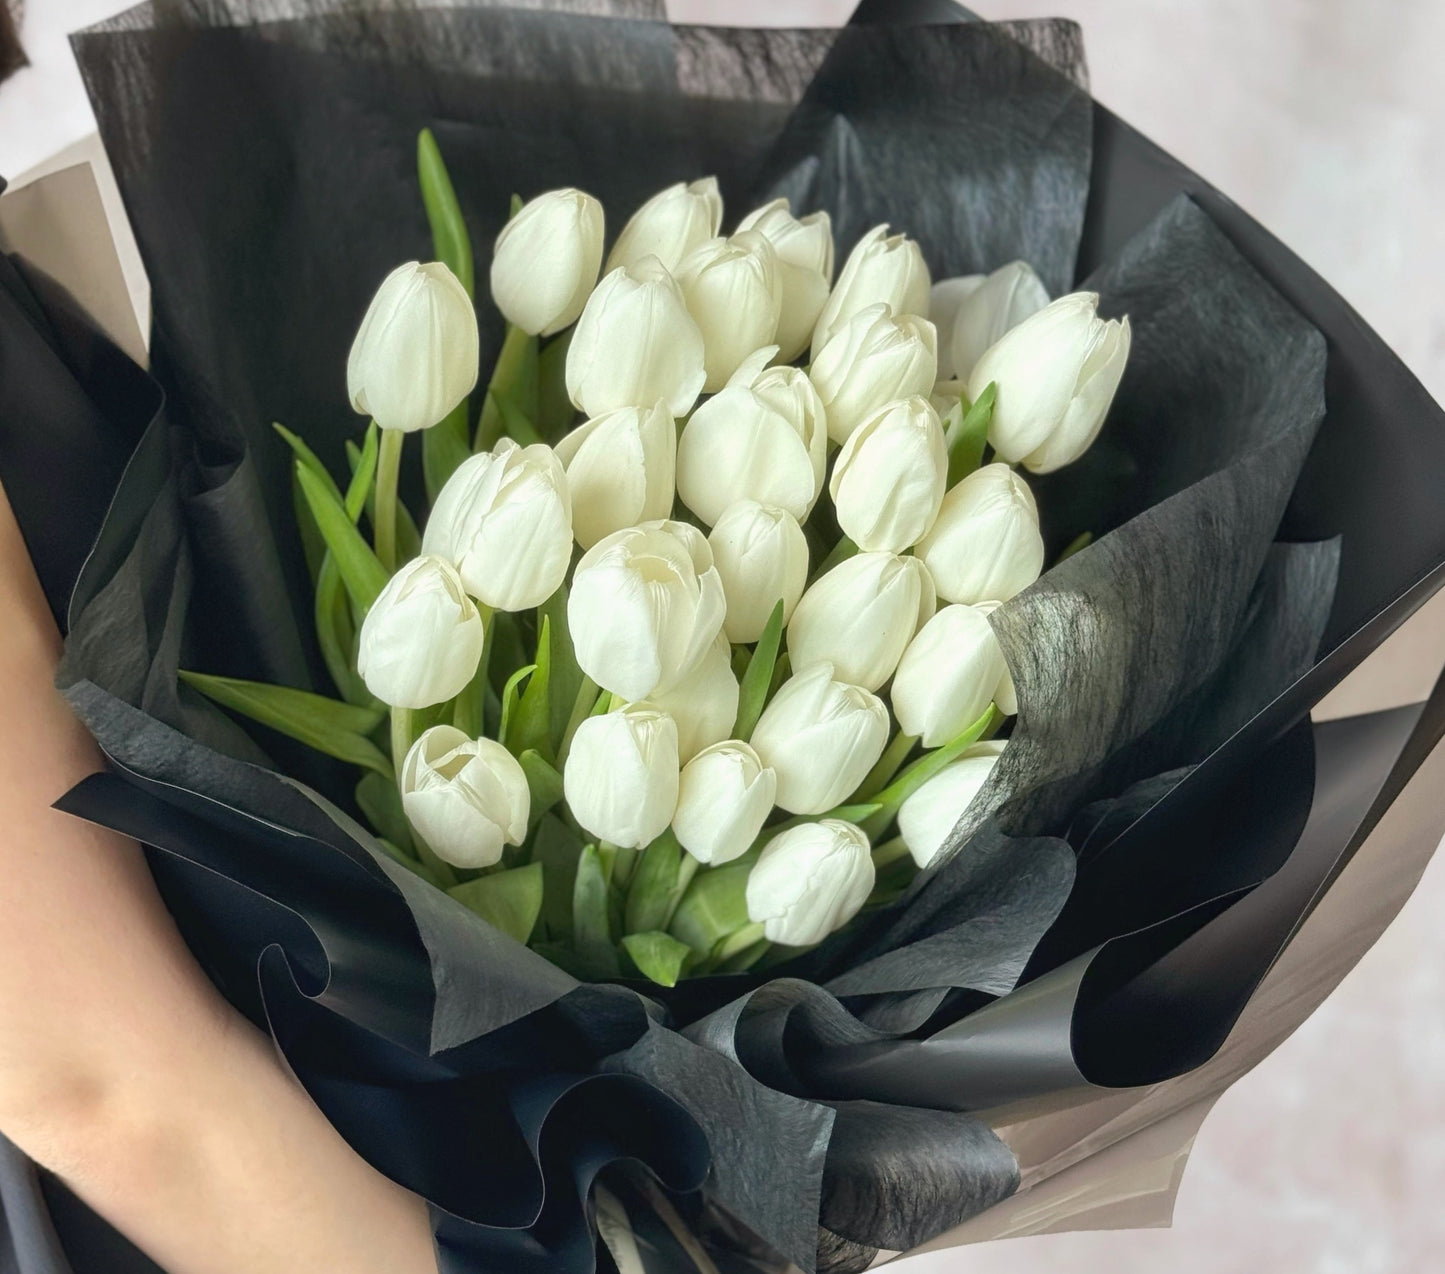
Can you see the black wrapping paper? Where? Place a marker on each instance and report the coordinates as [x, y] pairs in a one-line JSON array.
[[266, 165]]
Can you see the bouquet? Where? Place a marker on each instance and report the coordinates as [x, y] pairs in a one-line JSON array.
[[732, 795], [802, 764]]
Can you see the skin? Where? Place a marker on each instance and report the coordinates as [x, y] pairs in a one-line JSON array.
[[121, 1068]]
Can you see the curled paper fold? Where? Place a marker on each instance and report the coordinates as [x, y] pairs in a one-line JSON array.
[[1164, 673]]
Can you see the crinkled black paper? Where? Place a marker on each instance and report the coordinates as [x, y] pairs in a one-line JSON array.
[[266, 157]]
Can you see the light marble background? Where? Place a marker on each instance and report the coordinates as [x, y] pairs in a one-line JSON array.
[[1325, 119]]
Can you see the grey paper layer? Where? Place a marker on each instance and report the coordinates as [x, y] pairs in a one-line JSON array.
[[265, 155]]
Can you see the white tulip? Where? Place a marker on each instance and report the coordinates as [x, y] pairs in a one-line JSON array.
[[766, 441], [874, 358], [621, 775], [670, 225], [467, 798], [734, 292], [1004, 695], [761, 555], [504, 518], [821, 736], [635, 344], [889, 479], [545, 261], [704, 703], [859, 618], [881, 267], [805, 262], [974, 312], [1056, 374], [621, 468], [948, 675], [421, 640], [928, 817], [985, 544], [415, 355], [724, 797], [810, 881], [646, 605]]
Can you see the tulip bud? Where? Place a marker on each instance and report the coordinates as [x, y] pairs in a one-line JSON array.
[[635, 344], [646, 605], [704, 703], [859, 618], [765, 441], [421, 640], [810, 881], [985, 544], [415, 355], [467, 798], [974, 312], [621, 775], [880, 268], [1004, 696], [871, 360], [670, 225], [928, 817], [505, 519], [948, 675], [621, 469], [889, 479], [821, 736], [545, 261], [723, 799], [761, 556], [1056, 374], [805, 264], [734, 293]]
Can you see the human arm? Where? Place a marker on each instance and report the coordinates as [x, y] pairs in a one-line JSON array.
[[121, 1067]]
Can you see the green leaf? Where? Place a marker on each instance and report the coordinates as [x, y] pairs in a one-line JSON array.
[[361, 572], [565, 674], [658, 956], [507, 900], [313, 547], [308, 458], [558, 849], [753, 693], [555, 412], [651, 893], [591, 928], [530, 725], [714, 907], [967, 435], [543, 783], [510, 697], [336, 635], [379, 800], [450, 240], [328, 725], [363, 472], [408, 538]]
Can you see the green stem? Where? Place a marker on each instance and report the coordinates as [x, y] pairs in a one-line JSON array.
[[388, 471], [887, 766], [889, 852], [401, 740], [623, 865], [582, 707], [509, 379]]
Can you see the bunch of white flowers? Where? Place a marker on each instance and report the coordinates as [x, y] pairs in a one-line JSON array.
[[692, 655]]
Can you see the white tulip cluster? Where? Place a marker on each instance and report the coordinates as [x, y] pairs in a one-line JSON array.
[[773, 581]]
